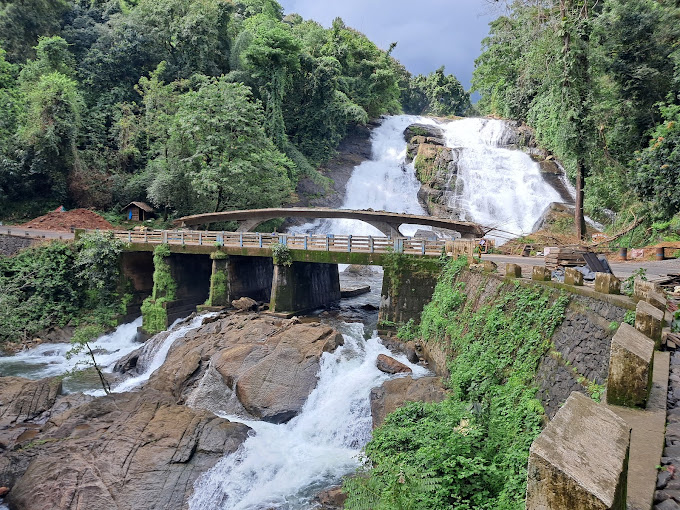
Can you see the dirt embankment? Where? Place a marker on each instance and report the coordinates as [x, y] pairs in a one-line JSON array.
[[67, 220]]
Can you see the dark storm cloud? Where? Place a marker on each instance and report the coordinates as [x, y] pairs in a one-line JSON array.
[[429, 33]]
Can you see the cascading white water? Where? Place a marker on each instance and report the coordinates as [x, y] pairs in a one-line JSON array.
[[495, 186], [284, 466], [49, 360], [383, 183], [177, 330]]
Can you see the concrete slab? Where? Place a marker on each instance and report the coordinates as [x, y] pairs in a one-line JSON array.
[[631, 364], [579, 460], [647, 437]]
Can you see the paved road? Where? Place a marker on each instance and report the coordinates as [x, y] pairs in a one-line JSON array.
[[32, 232], [655, 268]]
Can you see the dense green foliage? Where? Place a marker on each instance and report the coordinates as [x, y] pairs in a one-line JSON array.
[[192, 105], [596, 80], [471, 450], [57, 284], [436, 94]]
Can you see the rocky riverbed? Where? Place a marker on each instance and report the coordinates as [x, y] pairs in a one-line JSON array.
[[146, 448]]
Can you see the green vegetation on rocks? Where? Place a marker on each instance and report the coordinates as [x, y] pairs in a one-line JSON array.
[[471, 450], [58, 284], [154, 313]]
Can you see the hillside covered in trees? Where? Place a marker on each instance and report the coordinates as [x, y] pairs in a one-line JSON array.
[[599, 81], [192, 105]]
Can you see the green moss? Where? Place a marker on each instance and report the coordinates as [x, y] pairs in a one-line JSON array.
[[154, 313], [281, 255], [154, 316], [398, 265], [417, 131], [219, 289]]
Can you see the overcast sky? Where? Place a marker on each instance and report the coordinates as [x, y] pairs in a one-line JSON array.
[[429, 33]]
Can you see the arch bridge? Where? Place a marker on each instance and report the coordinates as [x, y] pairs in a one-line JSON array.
[[387, 222]]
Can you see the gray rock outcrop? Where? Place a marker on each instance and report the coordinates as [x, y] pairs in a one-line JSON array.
[[268, 366], [435, 164]]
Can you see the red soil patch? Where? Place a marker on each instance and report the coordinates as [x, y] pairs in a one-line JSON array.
[[65, 221]]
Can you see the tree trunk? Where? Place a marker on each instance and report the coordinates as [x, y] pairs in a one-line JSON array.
[[579, 219]]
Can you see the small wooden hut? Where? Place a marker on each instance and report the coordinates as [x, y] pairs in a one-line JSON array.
[[138, 211]]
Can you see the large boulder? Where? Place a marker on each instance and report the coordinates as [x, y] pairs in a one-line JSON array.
[[122, 451], [258, 366], [396, 392], [389, 365]]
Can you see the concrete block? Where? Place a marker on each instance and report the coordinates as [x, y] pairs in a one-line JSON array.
[[573, 277], [657, 300], [489, 266], [641, 288], [649, 321], [580, 460], [630, 367], [541, 274], [607, 283], [513, 271]]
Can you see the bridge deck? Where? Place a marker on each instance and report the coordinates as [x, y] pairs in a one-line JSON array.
[[347, 244], [369, 216]]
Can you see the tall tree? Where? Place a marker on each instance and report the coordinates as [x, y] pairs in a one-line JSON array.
[[575, 32], [216, 141]]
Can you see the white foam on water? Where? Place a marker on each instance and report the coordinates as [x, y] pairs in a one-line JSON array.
[[49, 359], [285, 466], [177, 330]]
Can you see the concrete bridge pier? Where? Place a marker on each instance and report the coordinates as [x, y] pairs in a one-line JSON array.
[[304, 286], [235, 276], [191, 274]]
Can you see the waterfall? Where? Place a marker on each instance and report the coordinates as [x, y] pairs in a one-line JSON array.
[[383, 183], [157, 356], [285, 466], [495, 186]]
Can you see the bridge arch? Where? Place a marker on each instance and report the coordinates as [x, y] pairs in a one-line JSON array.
[[388, 223]]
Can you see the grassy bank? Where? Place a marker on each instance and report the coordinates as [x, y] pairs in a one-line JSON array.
[[471, 450]]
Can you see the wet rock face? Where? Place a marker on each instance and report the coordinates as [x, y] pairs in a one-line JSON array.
[[390, 365], [123, 451], [435, 164], [23, 400], [255, 366]]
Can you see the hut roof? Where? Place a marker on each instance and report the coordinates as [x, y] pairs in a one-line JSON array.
[[142, 205]]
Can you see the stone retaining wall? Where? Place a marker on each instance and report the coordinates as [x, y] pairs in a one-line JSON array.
[[579, 357], [10, 245]]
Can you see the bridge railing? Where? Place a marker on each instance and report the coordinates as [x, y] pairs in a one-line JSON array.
[[314, 242]]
